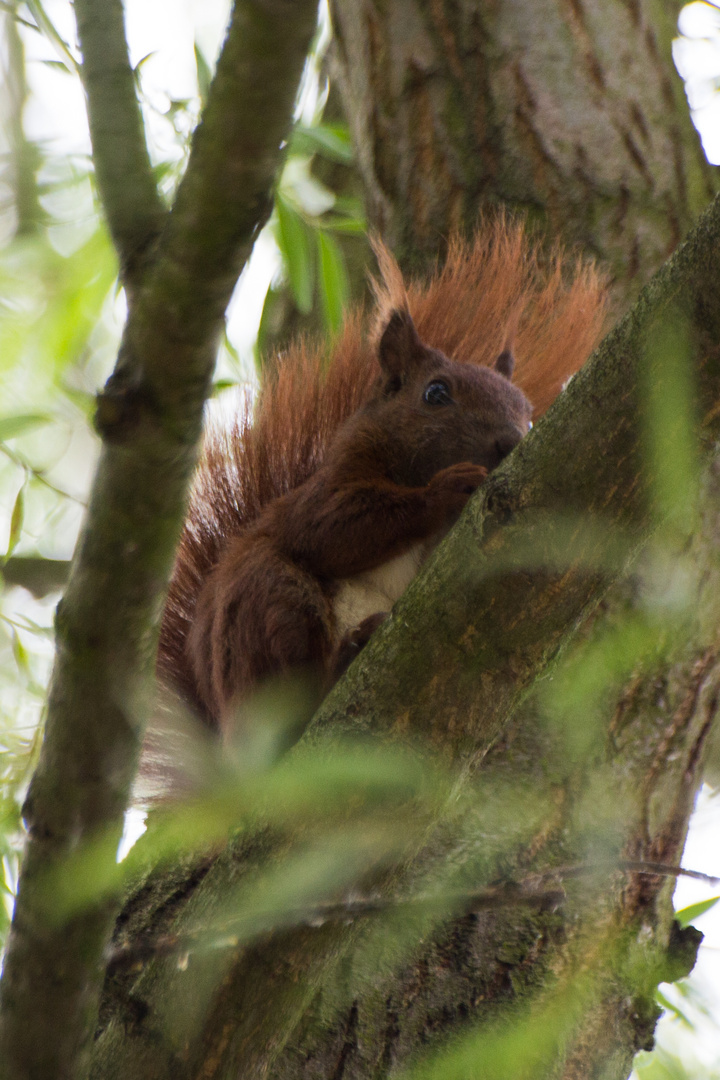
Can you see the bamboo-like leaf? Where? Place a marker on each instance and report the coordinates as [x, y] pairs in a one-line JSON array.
[[12, 426], [348, 225], [57, 65], [204, 74], [334, 288], [672, 1008], [20, 654], [297, 253], [330, 140], [16, 521], [688, 915], [11, 9], [47, 27]]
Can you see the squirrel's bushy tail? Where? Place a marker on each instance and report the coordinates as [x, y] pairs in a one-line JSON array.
[[499, 283]]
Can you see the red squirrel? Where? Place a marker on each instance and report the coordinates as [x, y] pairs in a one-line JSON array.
[[307, 523]]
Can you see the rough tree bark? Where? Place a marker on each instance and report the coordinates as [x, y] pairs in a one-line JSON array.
[[451, 109], [567, 110], [576, 116], [320, 1001]]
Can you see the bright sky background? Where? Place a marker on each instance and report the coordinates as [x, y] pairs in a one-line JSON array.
[[165, 31], [162, 33]]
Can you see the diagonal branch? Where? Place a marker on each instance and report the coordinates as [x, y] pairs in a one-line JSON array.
[[503, 627], [225, 195], [463, 643], [150, 416], [541, 888], [132, 205]]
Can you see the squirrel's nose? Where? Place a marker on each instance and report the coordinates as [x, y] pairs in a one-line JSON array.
[[507, 442]]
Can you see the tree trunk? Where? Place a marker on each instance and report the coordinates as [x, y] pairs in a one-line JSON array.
[[566, 110], [573, 114]]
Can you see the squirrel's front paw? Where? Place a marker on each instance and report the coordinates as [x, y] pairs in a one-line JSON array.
[[456, 484]]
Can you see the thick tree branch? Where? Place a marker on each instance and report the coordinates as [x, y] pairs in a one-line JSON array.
[[150, 415], [455, 688], [130, 198], [455, 105], [507, 626]]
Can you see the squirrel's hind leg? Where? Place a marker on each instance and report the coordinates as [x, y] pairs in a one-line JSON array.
[[259, 616]]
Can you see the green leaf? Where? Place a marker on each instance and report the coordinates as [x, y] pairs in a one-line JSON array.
[[143, 60], [53, 304], [274, 310], [83, 400], [348, 225], [220, 385], [671, 1008], [297, 254], [12, 426], [58, 65], [20, 654], [12, 11], [349, 206], [47, 27], [16, 521], [234, 354], [659, 1065], [330, 140], [334, 287], [204, 74], [687, 915], [163, 169]]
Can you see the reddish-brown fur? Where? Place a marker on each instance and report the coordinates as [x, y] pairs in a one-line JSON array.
[[343, 467]]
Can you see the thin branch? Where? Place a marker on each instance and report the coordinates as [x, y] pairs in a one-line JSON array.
[[225, 195], [39, 576], [663, 870], [25, 155], [150, 415], [129, 195], [532, 890]]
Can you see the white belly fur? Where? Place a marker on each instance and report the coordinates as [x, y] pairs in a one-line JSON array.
[[377, 589]]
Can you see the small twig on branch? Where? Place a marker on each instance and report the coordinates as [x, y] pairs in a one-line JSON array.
[[39, 576], [531, 890], [663, 870]]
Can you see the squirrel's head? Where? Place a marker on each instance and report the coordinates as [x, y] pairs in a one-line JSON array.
[[443, 411]]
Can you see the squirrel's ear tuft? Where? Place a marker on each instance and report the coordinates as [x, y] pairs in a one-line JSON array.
[[399, 344], [505, 363]]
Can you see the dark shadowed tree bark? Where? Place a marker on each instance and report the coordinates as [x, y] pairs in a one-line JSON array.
[[557, 928]]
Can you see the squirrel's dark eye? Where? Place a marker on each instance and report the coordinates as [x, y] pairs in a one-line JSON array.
[[437, 393]]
